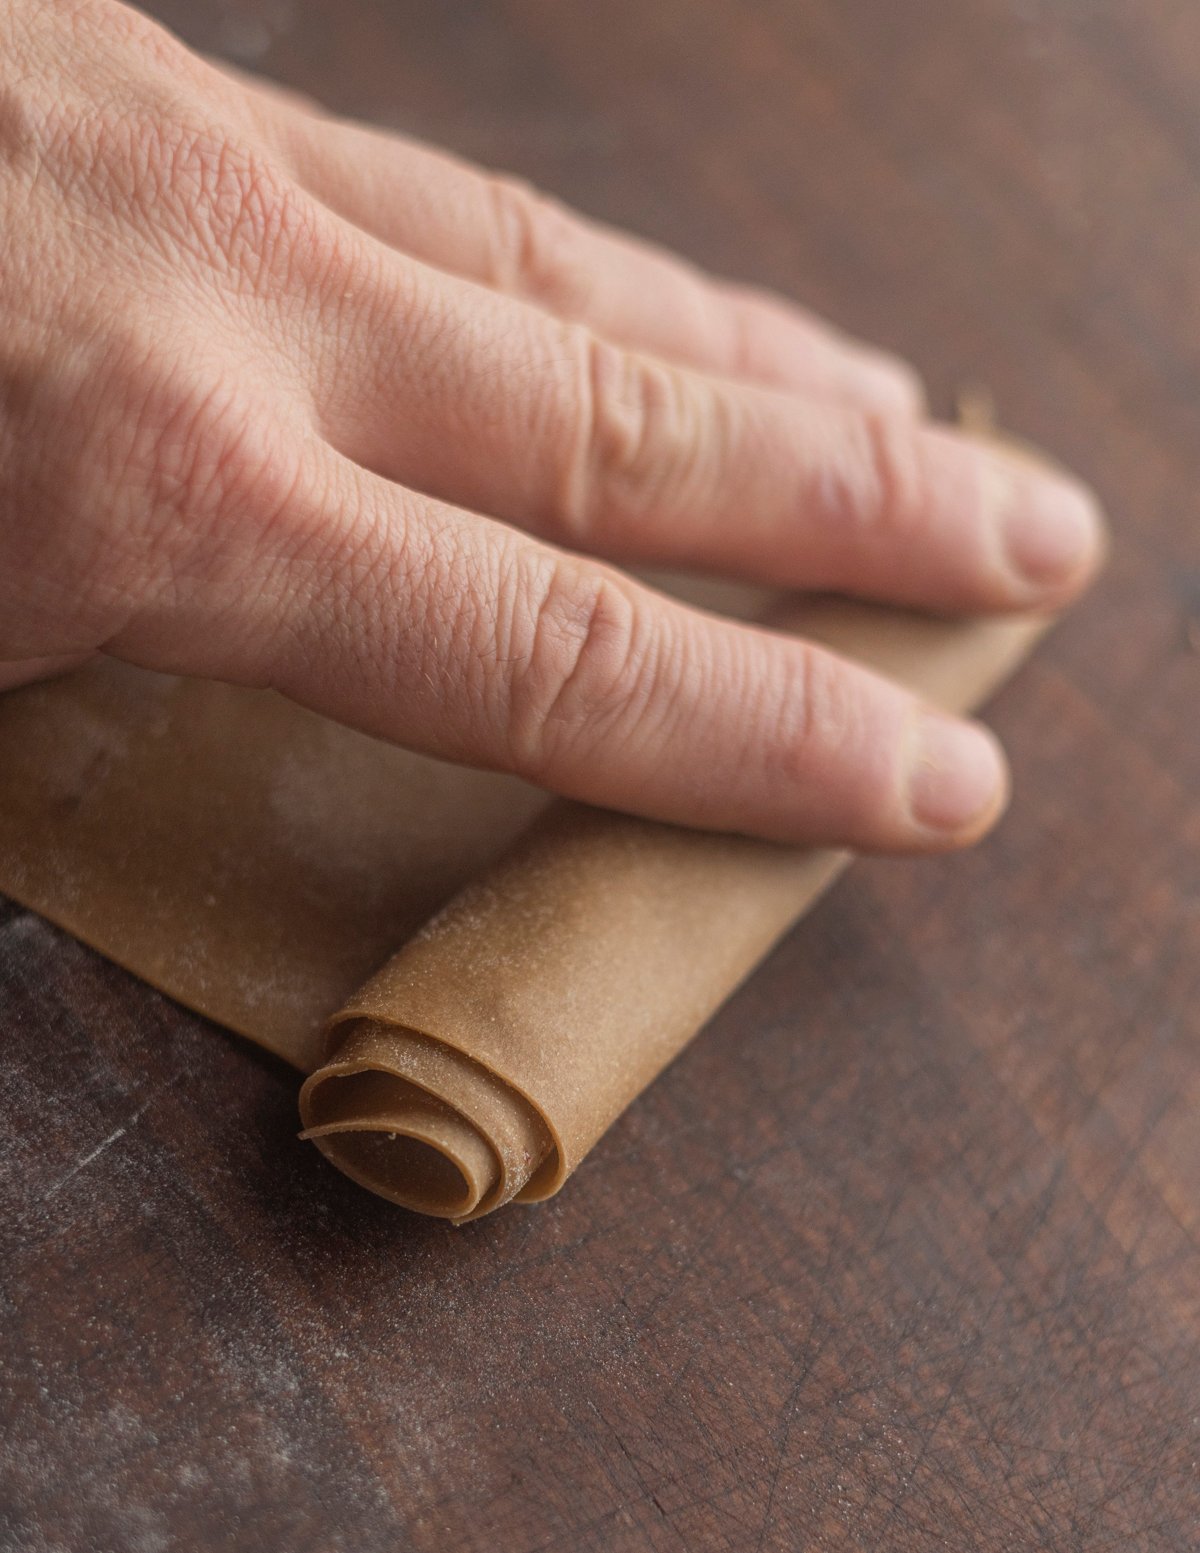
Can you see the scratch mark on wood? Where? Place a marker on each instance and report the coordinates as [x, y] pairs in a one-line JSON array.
[[81, 1164]]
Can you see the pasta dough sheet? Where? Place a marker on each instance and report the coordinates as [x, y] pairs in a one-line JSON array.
[[475, 982]]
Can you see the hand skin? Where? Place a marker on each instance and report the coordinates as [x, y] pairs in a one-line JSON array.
[[286, 401]]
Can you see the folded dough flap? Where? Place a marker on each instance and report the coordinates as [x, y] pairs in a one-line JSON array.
[[488, 1055], [422, 1124]]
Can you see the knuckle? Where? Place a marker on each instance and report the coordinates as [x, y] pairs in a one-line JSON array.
[[193, 188], [750, 349], [127, 26], [539, 250], [818, 714], [26, 130], [758, 332], [202, 472], [229, 200], [645, 437], [154, 43], [214, 512], [890, 489], [573, 670], [907, 389], [216, 462], [124, 41]]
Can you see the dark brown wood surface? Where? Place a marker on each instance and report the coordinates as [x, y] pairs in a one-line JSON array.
[[905, 1252]]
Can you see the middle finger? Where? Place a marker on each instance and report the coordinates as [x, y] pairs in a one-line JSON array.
[[489, 403]]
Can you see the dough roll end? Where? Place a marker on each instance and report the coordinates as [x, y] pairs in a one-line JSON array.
[[422, 1124]]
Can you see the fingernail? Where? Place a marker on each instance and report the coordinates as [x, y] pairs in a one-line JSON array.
[[1051, 529], [957, 775]]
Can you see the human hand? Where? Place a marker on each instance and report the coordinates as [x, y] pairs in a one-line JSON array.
[[279, 394]]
